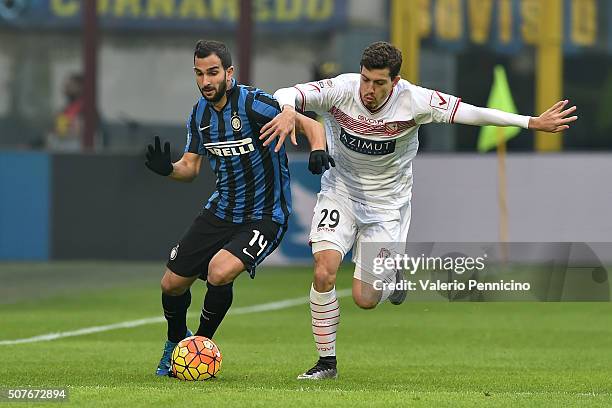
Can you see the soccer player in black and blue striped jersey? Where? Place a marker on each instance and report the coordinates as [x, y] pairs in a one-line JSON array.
[[246, 217]]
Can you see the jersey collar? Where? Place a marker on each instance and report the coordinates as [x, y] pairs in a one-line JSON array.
[[232, 87]]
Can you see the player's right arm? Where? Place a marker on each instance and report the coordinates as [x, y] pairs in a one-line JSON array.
[[317, 96], [187, 168], [159, 161]]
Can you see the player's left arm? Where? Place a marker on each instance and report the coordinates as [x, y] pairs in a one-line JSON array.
[[555, 119], [433, 106]]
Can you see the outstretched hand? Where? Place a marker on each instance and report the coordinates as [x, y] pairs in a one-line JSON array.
[[157, 160], [555, 119], [281, 126]]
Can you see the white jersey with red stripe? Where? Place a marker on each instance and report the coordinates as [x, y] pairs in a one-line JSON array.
[[373, 150]]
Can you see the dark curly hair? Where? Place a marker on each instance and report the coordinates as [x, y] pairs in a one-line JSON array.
[[204, 48], [381, 55]]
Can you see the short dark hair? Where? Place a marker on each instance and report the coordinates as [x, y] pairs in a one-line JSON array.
[[381, 55], [204, 48]]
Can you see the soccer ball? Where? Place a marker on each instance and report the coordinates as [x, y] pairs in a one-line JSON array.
[[196, 358]]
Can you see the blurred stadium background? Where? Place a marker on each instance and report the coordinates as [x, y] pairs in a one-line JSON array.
[[82, 92], [85, 227]]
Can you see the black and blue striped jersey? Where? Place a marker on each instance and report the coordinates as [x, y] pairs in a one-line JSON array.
[[252, 180]]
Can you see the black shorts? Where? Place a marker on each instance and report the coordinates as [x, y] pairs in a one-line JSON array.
[[250, 242]]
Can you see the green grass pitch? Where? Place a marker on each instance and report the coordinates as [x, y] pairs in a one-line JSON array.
[[417, 354]]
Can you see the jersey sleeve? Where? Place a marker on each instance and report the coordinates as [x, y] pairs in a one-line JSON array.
[[429, 105], [263, 107], [193, 134], [320, 96]]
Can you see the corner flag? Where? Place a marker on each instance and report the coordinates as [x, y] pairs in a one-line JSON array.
[[499, 98]]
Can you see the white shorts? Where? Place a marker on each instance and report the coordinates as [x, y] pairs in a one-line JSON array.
[[340, 223]]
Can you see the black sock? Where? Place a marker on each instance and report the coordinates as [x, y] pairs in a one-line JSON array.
[[175, 312], [217, 302], [329, 361]]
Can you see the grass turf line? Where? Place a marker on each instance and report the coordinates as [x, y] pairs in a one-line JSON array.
[[417, 354]]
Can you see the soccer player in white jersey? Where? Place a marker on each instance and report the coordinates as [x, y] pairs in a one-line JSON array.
[[372, 121]]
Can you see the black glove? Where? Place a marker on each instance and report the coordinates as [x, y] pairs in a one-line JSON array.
[[318, 160], [159, 161]]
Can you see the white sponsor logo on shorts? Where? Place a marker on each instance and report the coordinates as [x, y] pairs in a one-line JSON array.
[[174, 252], [247, 253]]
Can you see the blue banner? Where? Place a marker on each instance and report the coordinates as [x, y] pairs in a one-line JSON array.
[[200, 15], [24, 206]]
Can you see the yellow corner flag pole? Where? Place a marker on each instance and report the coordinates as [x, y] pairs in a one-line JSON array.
[[502, 191], [491, 136]]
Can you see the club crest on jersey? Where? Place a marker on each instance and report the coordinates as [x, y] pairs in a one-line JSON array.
[[365, 146], [318, 85], [236, 123], [231, 148], [326, 84], [384, 253]]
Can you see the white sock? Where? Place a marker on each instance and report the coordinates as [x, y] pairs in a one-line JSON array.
[[325, 312]]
